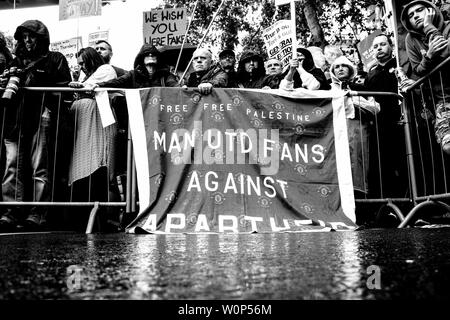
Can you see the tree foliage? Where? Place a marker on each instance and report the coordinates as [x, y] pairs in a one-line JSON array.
[[241, 22]]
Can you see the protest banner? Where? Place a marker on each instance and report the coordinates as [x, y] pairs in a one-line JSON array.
[[69, 9], [164, 26], [365, 49], [240, 161], [68, 48], [96, 36], [278, 41]]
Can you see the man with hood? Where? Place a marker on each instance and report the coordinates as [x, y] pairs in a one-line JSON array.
[[205, 75], [427, 44], [304, 74], [360, 112], [251, 72], [147, 72], [28, 121]]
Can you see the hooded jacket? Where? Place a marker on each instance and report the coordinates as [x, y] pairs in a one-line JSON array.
[[417, 42], [139, 77], [256, 78], [41, 68], [315, 79], [368, 104]]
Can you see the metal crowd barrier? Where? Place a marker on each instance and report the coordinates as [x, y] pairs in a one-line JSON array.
[[430, 179], [423, 183], [61, 193]]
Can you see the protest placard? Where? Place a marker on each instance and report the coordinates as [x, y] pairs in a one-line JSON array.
[[69, 9], [366, 51], [278, 40], [68, 48], [96, 36], [164, 26]]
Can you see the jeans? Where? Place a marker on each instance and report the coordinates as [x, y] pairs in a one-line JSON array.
[[31, 149]]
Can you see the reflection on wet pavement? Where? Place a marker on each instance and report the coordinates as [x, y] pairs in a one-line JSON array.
[[370, 264]]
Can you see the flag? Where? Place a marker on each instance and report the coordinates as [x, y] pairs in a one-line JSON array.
[[240, 161]]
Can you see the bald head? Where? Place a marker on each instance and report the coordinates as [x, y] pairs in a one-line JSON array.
[[201, 59]]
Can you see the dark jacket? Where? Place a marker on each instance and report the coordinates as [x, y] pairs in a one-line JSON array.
[[310, 67], [254, 80], [382, 79], [214, 75], [139, 77], [41, 68]]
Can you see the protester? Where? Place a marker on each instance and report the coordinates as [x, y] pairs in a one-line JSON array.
[[303, 73], [331, 53], [227, 61], [26, 132], [92, 167], [274, 74], [147, 72], [427, 44], [390, 138], [104, 48], [251, 70], [5, 55], [359, 112], [205, 75]]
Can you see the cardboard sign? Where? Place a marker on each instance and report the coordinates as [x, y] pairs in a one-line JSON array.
[[68, 48], [278, 40], [164, 26], [366, 51], [96, 36], [69, 9]]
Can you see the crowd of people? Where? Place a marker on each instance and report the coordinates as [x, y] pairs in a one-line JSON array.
[[29, 118]]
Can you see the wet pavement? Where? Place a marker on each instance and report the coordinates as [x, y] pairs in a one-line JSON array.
[[367, 264]]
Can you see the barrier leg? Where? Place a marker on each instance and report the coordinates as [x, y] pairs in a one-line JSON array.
[[92, 216], [394, 209], [413, 212]]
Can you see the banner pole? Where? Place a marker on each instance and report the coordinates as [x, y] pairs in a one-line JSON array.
[[201, 41], [294, 34], [185, 35], [391, 15]]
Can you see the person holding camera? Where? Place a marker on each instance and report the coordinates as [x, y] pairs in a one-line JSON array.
[[28, 119]]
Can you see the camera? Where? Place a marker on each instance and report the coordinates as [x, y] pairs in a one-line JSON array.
[[12, 86]]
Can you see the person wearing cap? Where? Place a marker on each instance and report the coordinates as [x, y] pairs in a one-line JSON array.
[[104, 48], [27, 126], [304, 74], [427, 45], [251, 70], [205, 75], [227, 61]]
